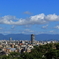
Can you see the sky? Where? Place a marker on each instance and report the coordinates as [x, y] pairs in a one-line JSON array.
[[29, 16]]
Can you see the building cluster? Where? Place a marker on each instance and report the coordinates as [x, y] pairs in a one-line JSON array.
[[7, 46]]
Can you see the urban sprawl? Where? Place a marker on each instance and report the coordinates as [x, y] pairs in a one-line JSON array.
[[7, 46]]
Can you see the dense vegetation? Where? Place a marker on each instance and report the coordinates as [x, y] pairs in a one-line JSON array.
[[48, 51]]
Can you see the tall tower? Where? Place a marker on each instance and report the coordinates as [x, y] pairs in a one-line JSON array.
[[32, 38], [10, 39]]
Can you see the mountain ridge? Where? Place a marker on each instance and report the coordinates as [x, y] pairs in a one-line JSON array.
[[38, 37]]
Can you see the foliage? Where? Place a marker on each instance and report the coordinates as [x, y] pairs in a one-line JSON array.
[[47, 51]]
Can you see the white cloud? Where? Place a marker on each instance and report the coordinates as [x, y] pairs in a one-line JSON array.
[[13, 27], [52, 31], [37, 19], [28, 30], [57, 27], [52, 17], [27, 26], [7, 19], [5, 32], [45, 27]]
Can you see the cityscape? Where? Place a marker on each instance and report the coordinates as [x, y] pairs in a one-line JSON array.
[[20, 46], [29, 29]]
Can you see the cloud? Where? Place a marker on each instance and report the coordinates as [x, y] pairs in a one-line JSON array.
[[7, 19], [57, 27], [27, 31], [13, 27], [5, 32], [52, 31], [52, 17], [44, 27], [27, 12], [27, 26], [46, 32], [36, 19]]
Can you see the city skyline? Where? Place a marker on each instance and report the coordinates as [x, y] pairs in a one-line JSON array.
[[29, 17]]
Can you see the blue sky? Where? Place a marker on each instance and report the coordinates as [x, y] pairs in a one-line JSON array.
[[29, 16]]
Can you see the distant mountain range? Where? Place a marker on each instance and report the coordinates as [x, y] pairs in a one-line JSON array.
[[39, 37]]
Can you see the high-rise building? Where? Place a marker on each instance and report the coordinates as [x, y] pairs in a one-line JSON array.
[[32, 38], [10, 39]]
